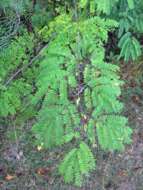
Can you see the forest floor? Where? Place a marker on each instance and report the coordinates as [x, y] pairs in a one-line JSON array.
[[24, 167]]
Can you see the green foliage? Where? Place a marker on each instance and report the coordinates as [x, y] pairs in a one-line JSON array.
[[131, 4], [7, 3], [78, 161], [83, 3], [18, 6], [111, 132], [106, 6], [130, 47], [131, 21], [11, 96], [129, 15], [79, 92]]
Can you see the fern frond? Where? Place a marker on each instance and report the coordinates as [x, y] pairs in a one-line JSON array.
[[130, 47], [78, 162], [112, 133]]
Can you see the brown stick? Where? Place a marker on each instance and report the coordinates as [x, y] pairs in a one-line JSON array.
[[25, 66]]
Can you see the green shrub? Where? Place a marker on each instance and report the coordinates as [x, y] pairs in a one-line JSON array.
[[80, 95]]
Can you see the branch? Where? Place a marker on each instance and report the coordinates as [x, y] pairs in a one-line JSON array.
[[25, 66]]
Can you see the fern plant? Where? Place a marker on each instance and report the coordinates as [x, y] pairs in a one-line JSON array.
[[79, 94]]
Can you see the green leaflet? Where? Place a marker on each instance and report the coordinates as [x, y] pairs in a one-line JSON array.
[[138, 23], [130, 4]]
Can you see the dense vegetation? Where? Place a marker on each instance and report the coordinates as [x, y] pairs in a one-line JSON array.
[[57, 69]]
